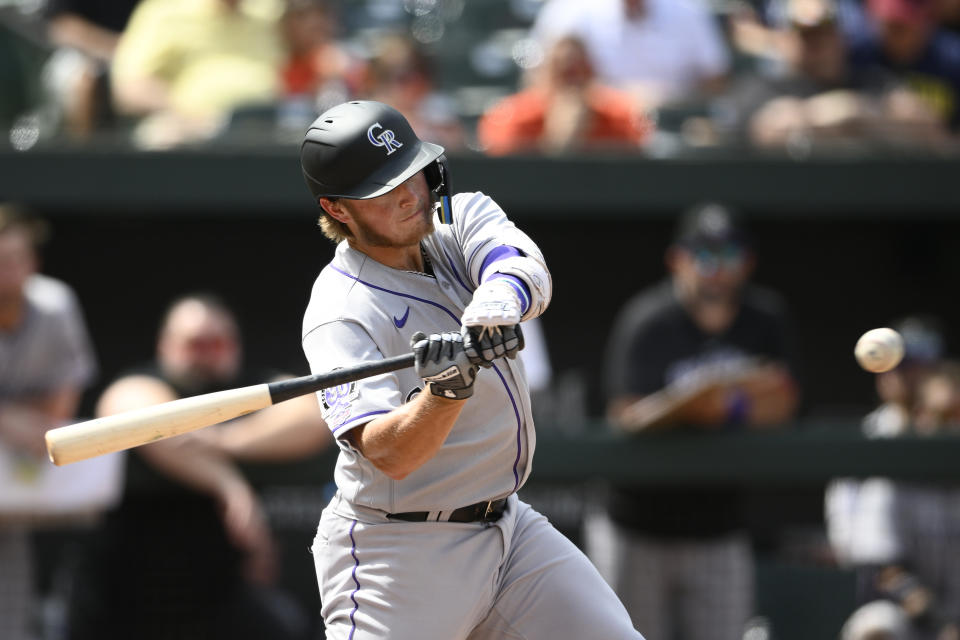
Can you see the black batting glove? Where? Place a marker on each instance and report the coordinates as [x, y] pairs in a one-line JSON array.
[[485, 344], [443, 364]]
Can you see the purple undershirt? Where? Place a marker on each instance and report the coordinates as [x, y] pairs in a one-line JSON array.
[[501, 253]]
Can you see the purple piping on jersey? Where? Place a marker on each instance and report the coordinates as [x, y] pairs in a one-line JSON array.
[[456, 274], [356, 565], [498, 253], [518, 285], [397, 293], [516, 412], [355, 418], [474, 255]]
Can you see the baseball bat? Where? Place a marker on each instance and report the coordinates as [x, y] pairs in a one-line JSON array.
[[129, 429]]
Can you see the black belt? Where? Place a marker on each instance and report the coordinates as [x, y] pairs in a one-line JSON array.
[[489, 511]]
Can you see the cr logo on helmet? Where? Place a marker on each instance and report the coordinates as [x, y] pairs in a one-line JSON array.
[[386, 138]]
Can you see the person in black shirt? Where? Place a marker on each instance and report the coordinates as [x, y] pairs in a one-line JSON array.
[[704, 351], [188, 553]]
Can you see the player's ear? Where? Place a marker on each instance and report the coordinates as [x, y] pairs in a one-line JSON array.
[[335, 209]]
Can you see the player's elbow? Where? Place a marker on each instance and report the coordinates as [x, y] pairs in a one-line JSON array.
[[393, 470]]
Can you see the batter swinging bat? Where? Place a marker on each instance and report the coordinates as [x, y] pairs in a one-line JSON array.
[[141, 426]]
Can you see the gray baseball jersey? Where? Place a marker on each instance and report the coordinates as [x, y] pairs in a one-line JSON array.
[[361, 310]]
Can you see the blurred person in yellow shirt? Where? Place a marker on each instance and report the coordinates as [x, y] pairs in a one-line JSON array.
[[185, 65]]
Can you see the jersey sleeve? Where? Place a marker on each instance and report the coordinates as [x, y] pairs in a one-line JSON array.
[[340, 344], [482, 227]]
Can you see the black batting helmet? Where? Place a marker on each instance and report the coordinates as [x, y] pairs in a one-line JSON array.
[[363, 149]]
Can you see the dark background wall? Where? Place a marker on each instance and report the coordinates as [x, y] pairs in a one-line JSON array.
[[840, 276]]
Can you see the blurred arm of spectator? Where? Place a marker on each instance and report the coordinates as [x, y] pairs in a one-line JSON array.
[[73, 30], [143, 65], [703, 349], [750, 36], [84, 35], [565, 109], [285, 431]]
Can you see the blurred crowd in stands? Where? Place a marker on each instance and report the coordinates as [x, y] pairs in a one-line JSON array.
[[495, 76]]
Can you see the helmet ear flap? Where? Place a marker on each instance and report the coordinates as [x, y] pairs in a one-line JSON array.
[[438, 180]]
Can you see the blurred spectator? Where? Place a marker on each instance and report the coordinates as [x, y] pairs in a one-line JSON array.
[[662, 50], [817, 98], [189, 553], [319, 68], [401, 74], [45, 362], [185, 65], [938, 400], [85, 34], [900, 536], [924, 349], [948, 14], [707, 351], [906, 42], [565, 109]]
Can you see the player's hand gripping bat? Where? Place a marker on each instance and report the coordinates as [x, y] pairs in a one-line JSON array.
[[141, 426]]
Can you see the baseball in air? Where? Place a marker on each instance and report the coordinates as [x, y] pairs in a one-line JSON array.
[[879, 350]]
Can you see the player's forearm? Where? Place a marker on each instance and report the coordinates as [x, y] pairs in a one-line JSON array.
[[405, 439]]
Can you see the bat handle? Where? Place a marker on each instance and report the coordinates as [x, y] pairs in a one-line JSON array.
[[286, 389]]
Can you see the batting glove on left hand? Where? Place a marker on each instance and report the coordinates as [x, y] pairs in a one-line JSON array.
[[443, 364], [483, 346]]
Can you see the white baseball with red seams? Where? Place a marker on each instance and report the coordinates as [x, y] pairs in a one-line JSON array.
[[879, 350]]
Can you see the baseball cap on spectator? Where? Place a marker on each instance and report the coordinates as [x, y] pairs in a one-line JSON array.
[[908, 11], [710, 225]]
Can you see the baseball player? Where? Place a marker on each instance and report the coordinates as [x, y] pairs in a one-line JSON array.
[[426, 537]]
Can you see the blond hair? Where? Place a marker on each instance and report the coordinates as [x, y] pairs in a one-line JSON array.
[[335, 230]]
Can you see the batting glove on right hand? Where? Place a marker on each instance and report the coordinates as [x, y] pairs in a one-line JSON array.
[[443, 364]]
